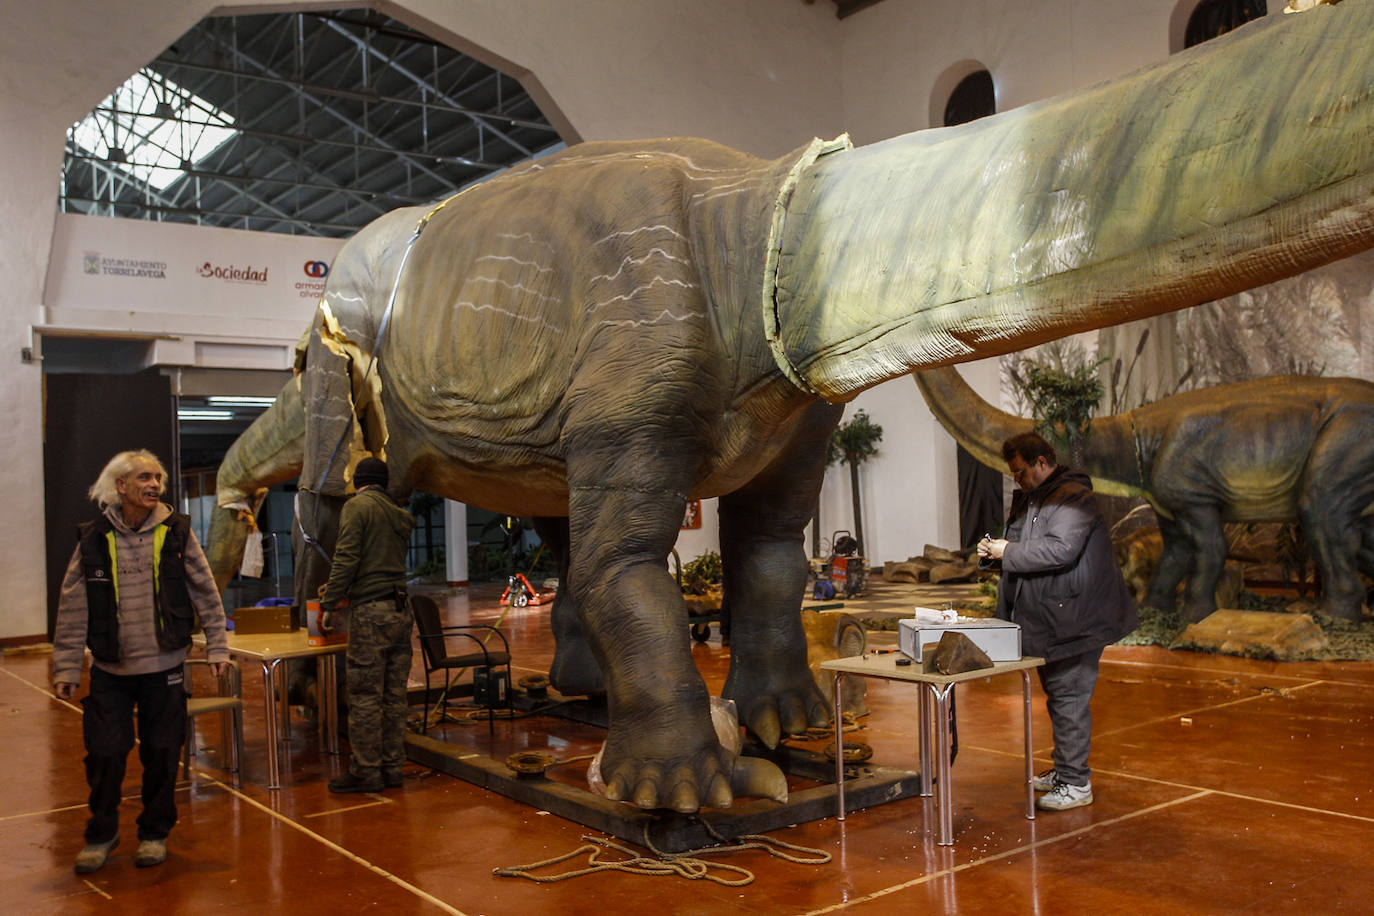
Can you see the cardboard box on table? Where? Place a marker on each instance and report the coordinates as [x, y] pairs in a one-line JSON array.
[[338, 633], [1000, 639], [261, 620]]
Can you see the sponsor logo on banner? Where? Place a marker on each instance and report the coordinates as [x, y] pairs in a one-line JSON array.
[[93, 263], [233, 274], [313, 289]]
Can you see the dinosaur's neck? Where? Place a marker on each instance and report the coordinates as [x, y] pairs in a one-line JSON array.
[[974, 423], [1111, 204], [1109, 456]]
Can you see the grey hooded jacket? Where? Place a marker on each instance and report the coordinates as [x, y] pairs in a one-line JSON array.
[[1060, 578]]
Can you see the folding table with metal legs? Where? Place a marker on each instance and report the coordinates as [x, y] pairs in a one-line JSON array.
[[933, 714]]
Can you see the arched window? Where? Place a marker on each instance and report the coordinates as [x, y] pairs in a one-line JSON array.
[[972, 99], [1216, 17]]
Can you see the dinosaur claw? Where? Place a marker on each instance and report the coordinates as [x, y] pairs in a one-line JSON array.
[[718, 794], [615, 789], [684, 798], [792, 714], [756, 777], [765, 725], [646, 794]]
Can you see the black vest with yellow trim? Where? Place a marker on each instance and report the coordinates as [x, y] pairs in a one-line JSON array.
[[173, 613]]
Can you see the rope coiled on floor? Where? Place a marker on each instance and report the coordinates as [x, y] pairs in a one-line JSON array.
[[689, 864]]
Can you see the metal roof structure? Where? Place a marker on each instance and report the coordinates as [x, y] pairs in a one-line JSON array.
[[303, 123]]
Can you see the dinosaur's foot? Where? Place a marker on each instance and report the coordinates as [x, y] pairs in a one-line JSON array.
[[1162, 603], [668, 772], [770, 711], [574, 671], [1343, 608]]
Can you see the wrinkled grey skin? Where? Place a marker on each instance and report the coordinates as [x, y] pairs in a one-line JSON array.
[[594, 338], [1286, 448]]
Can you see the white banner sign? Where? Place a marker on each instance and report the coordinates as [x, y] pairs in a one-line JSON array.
[[149, 270]]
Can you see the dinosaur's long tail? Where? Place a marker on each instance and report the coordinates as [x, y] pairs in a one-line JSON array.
[[270, 451]]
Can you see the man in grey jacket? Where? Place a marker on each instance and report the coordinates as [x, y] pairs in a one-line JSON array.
[[1062, 585], [136, 582]]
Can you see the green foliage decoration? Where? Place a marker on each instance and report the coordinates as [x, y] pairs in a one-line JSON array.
[[1062, 391], [701, 574], [854, 442]]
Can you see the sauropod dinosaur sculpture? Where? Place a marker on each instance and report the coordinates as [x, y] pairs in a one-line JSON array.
[[1272, 449], [594, 338]]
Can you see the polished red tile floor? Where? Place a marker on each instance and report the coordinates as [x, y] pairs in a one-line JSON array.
[[1222, 785]]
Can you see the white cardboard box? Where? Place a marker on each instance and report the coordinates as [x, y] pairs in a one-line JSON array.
[[1000, 639]]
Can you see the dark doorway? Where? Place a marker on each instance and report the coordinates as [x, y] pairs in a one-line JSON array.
[[87, 418], [1217, 17], [980, 499], [972, 99]]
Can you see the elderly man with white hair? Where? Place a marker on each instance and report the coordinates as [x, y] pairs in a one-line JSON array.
[[137, 582]]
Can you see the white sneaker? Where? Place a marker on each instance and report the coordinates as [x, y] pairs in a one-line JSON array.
[[93, 856], [150, 853], [1064, 796], [1045, 781]]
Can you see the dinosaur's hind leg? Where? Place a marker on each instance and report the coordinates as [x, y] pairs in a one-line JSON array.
[[574, 670], [1337, 491], [761, 532]]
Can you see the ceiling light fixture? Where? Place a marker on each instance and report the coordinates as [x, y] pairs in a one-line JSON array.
[[240, 401]]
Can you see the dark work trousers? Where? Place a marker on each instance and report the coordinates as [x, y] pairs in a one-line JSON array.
[[108, 727], [379, 656], [1068, 684]]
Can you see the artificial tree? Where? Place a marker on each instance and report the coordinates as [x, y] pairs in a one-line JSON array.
[[854, 443]]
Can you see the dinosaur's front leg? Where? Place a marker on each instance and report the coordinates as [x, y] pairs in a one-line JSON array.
[[626, 508], [1202, 529], [1174, 559], [761, 533]]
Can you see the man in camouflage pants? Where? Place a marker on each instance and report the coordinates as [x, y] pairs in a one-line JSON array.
[[369, 568]]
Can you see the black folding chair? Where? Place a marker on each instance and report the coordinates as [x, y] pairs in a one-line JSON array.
[[434, 653]]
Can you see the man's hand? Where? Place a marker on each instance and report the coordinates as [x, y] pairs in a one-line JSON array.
[[992, 548], [64, 690], [327, 622], [219, 669]]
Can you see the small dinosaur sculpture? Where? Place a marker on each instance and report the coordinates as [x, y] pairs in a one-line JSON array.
[[594, 338], [1268, 450]]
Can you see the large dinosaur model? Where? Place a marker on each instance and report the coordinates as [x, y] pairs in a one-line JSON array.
[[1267, 450], [597, 337]]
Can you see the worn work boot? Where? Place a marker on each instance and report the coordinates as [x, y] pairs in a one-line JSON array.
[[1046, 780], [150, 853], [392, 777], [92, 858], [1064, 796], [350, 783]]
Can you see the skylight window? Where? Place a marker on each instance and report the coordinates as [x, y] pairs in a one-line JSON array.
[[152, 129]]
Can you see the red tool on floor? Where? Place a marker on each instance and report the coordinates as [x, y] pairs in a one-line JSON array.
[[519, 593]]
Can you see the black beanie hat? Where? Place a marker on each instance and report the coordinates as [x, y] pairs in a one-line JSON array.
[[370, 471]]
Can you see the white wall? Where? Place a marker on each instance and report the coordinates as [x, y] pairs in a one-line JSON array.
[[760, 75], [910, 489]]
